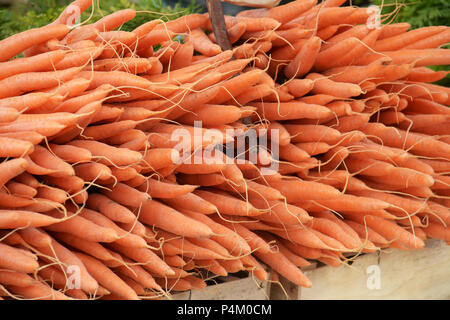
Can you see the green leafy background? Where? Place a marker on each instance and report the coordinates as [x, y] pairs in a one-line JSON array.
[[418, 13], [29, 14]]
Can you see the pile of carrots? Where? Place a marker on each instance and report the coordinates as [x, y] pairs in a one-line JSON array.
[[95, 205]]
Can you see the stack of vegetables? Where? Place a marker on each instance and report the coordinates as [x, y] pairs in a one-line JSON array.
[[97, 201]]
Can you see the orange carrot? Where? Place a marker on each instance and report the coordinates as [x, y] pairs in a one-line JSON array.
[[111, 155], [313, 133], [210, 245], [111, 209], [27, 179], [192, 202], [26, 82], [391, 30], [326, 58], [203, 44], [9, 277], [302, 251], [304, 60], [225, 114], [138, 273], [285, 267], [79, 226], [39, 291], [15, 148], [360, 49], [93, 171], [423, 74], [159, 189], [11, 169], [234, 33], [205, 180], [289, 11], [211, 266], [92, 248], [71, 154], [73, 104], [335, 231], [13, 259], [390, 230], [184, 23], [403, 40], [421, 57], [255, 242], [294, 190], [68, 258], [356, 31], [281, 212], [234, 87], [41, 62], [367, 233], [164, 217], [114, 20], [149, 260], [231, 266], [107, 278], [290, 110], [323, 85], [299, 87], [17, 43], [229, 239], [183, 56], [44, 158], [418, 143], [21, 189], [227, 204], [53, 194], [293, 257], [125, 195], [125, 239], [437, 231], [80, 58], [171, 244]]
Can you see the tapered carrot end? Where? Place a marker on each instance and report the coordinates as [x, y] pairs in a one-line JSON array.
[[418, 243], [169, 272]]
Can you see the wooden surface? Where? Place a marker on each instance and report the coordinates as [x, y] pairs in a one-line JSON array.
[[285, 290], [416, 274], [234, 289], [421, 274], [218, 23]]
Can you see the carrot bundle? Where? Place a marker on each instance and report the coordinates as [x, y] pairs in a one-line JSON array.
[[316, 141]]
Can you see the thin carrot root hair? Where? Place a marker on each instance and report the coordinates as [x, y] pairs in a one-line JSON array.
[[327, 209], [12, 231], [390, 17], [278, 283], [57, 206], [3, 289]]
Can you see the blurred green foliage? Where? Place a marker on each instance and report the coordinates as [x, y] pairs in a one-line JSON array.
[[418, 13], [35, 13]]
